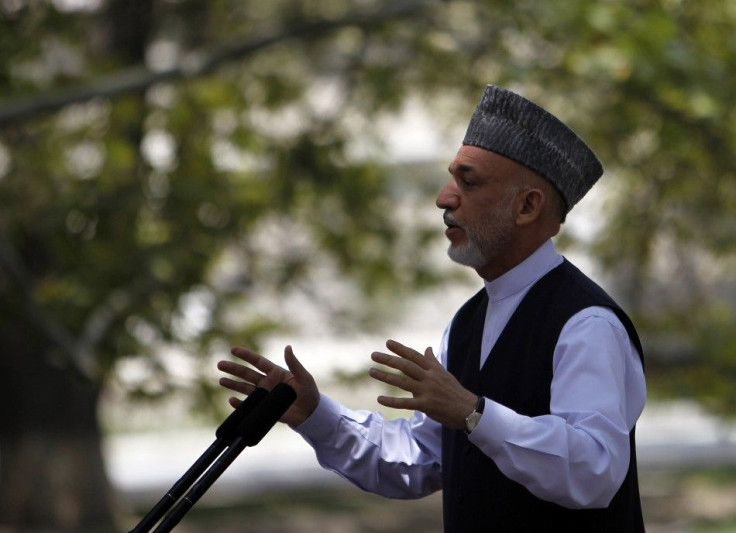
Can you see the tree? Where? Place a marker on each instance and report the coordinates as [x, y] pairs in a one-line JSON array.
[[121, 214], [161, 157]]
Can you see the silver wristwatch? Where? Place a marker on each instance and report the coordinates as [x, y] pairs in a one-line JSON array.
[[473, 418]]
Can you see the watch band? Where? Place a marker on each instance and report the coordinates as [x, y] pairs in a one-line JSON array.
[[480, 404]]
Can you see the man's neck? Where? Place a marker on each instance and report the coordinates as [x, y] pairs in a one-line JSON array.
[[509, 259]]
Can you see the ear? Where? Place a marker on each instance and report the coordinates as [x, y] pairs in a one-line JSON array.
[[530, 207]]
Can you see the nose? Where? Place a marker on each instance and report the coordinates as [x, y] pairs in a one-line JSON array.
[[448, 197]]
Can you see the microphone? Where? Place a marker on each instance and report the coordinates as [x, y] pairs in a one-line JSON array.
[[226, 434], [228, 430], [250, 431], [265, 415]]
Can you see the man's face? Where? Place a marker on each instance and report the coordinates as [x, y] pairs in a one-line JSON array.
[[479, 207]]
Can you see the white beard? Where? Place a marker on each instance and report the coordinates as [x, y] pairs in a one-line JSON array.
[[485, 240]]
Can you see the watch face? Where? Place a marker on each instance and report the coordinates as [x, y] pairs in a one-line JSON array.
[[472, 421]]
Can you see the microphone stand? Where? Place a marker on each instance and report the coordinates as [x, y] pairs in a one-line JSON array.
[[250, 432], [201, 486], [226, 434]]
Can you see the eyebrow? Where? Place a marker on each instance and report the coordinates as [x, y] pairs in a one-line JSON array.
[[460, 168]]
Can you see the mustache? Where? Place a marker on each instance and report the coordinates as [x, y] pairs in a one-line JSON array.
[[450, 219]]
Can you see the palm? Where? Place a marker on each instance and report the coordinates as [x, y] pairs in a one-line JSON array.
[[267, 375]]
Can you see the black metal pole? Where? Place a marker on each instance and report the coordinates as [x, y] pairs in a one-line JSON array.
[[250, 432], [229, 430], [201, 486]]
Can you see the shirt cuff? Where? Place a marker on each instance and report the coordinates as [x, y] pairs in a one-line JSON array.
[[495, 426], [322, 422]]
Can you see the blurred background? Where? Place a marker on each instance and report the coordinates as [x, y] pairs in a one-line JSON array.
[[179, 176]]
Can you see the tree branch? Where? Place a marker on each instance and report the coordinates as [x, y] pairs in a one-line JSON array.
[[195, 64]]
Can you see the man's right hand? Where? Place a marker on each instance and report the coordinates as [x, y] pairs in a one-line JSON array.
[[267, 375]]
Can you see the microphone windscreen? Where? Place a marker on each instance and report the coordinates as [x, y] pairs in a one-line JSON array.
[[265, 415], [228, 430]]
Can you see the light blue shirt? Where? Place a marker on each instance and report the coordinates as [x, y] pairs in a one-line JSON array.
[[577, 456]]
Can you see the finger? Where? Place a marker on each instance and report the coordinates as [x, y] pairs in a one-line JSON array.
[[240, 371], [407, 353], [250, 378], [404, 366], [258, 361], [397, 403], [234, 402], [237, 386], [395, 380]]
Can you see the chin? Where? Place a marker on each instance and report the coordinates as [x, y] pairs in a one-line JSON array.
[[466, 255]]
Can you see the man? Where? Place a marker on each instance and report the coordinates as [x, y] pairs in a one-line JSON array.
[[526, 421]]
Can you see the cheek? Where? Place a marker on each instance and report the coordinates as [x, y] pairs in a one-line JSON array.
[[492, 219], [477, 213]]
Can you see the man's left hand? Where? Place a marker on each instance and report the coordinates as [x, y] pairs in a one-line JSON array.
[[435, 391]]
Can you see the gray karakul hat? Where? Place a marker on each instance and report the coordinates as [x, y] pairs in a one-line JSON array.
[[511, 125]]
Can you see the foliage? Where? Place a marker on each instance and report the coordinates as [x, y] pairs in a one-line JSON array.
[[208, 194], [126, 217], [178, 175]]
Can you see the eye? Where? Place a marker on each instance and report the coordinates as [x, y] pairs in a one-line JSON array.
[[466, 183]]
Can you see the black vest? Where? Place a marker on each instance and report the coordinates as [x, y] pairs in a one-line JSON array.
[[518, 374]]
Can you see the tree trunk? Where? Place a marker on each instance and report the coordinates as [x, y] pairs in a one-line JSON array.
[[52, 475]]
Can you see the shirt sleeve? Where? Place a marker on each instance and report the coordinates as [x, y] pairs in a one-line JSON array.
[[578, 455], [394, 458]]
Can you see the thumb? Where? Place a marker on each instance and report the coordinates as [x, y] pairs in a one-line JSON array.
[[300, 373]]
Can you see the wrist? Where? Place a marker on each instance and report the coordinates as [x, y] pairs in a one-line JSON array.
[[471, 421]]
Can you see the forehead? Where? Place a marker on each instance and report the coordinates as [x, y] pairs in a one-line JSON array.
[[485, 163]]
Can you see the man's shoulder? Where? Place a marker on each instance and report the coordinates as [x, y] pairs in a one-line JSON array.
[[567, 277]]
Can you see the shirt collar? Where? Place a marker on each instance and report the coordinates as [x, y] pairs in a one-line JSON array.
[[525, 274]]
